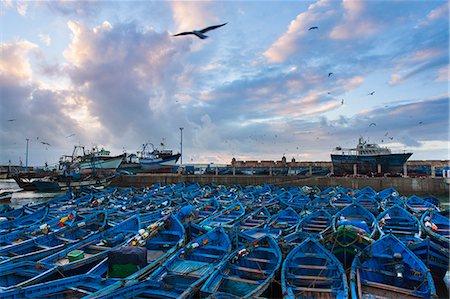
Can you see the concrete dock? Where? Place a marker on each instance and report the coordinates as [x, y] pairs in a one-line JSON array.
[[436, 186]]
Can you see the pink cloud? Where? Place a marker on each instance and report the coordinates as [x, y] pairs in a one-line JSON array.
[[14, 62]]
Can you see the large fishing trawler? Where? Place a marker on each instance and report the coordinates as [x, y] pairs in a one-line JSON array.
[[369, 158]]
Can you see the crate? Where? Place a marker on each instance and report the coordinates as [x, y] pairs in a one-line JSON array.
[[75, 255], [122, 270]]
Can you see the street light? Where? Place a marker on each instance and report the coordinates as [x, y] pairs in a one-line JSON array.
[[26, 158], [181, 146]]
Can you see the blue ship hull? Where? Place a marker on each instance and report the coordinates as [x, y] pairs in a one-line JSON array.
[[392, 163]]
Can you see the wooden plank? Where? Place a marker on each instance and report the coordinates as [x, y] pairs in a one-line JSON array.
[[305, 277], [315, 290], [390, 288], [313, 267], [258, 260], [358, 280], [251, 270], [233, 278]]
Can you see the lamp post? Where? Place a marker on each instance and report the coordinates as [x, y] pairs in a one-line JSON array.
[[26, 158], [181, 146]]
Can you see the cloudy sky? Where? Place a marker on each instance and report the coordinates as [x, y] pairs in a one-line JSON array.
[[111, 74]]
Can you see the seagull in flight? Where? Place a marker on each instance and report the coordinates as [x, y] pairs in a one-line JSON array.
[[372, 124], [201, 33], [313, 27], [371, 94], [70, 135], [329, 74], [11, 119], [46, 143]]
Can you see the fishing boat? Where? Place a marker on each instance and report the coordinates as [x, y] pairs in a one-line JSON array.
[[369, 202], [160, 240], [247, 272], [399, 222], [418, 205], [297, 202], [89, 162], [183, 273], [152, 159], [225, 217], [433, 255], [354, 228], [286, 221], [320, 203], [389, 269], [340, 201], [17, 275], [24, 221], [70, 287], [257, 218], [369, 158], [6, 195], [317, 223], [65, 182], [34, 249], [311, 271], [390, 201], [80, 257], [437, 227]]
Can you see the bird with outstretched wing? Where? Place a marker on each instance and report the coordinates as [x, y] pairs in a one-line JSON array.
[[200, 33]]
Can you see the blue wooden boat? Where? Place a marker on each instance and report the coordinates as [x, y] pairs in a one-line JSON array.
[[183, 273], [437, 227], [17, 275], [317, 223], [369, 202], [433, 200], [24, 220], [286, 221], [76, 286], [289, 242], [390, 201], [10, 213], [367, 191], [298, 202], [257, 218], [399, 222], [161, 239], [311, 271], [206, 209], [225, 217], [93, 249], [433, 255], [387, 192], [418, 206], [39, 228], [37, 248], [356, 217], [247, 272], [340, 201], [354, 228], [389, 269], [319, 203]]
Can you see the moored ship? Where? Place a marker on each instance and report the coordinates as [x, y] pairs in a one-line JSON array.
[[369, 159]]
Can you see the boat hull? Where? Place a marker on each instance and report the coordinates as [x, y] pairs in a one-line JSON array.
[[392, 163], [154, 165]]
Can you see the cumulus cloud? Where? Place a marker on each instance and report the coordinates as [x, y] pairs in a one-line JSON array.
[[14, 62], [141, 69], [190, 15]]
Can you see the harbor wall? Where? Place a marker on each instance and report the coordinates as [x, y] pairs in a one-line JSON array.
[[405, 185]]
